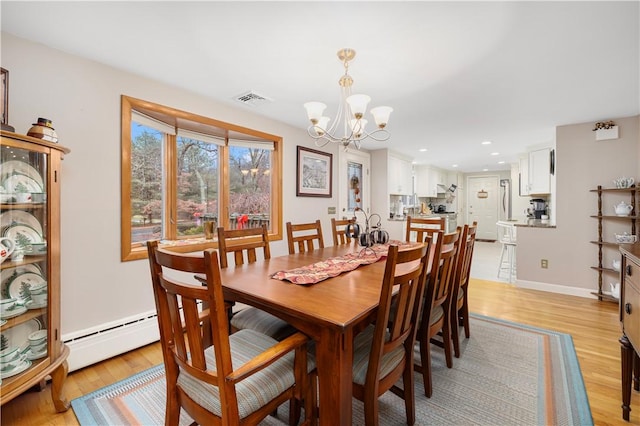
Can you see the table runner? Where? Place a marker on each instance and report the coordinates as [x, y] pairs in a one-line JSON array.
[[335, 266]]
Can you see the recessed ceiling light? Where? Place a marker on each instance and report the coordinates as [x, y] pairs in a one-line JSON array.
[[495, 153], [485, 170], [500, 162], [454, 165], [486, 142], [423, 150]]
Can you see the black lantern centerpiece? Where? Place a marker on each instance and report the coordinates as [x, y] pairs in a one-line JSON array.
[[371, 234]]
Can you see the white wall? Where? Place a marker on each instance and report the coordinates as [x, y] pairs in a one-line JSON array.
[[82, 98], [582, 163]]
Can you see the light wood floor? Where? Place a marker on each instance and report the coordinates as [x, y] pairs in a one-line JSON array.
[[594, 326]]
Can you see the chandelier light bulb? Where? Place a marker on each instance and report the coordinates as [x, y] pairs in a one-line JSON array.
[[314, 111], [357, 127], [321, 126], [358, 105], [381, 115]]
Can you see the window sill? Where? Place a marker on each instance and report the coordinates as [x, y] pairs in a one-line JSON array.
[[181, 246]]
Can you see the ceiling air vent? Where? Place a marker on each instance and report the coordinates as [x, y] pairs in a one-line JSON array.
[[252, 98]]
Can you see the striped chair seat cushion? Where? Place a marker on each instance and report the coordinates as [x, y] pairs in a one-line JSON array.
[[436, 314], [262, 322], [253, 392], [362, 351]]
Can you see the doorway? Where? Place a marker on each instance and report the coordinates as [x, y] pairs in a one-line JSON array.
[[353, 171], [482, 205]]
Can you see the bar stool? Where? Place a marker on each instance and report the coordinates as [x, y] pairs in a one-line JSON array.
[[507, 237]]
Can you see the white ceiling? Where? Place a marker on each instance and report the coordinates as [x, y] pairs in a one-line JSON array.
[[456, 73]]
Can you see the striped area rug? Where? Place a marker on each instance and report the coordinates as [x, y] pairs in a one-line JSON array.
[[508, 374]]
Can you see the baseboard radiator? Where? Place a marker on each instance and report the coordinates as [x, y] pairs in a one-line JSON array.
[[108, 340]]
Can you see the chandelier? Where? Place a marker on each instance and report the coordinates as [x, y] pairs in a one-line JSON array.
[[349, 125]]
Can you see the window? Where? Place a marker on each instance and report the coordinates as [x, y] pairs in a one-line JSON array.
[[181, 170]]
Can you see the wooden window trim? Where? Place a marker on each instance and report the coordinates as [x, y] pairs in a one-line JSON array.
[[195, 123]]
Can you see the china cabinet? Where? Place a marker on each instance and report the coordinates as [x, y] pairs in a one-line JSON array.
[[630, 321], [30, 173], [610, 242]]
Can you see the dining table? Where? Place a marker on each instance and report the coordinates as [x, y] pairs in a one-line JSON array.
[[331, 312]]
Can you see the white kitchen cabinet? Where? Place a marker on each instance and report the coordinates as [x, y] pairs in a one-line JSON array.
[[427, 181], [391, 176], [540, 171], [437, 179], [535, 172], [399, 175], [422, 182], [524, 176]]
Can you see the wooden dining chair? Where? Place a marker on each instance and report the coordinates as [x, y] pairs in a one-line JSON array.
[[383, 352], [420, 227], [244, 243], [435, 317], [339, 231], [460, 306], [246, 377], [305, 235]]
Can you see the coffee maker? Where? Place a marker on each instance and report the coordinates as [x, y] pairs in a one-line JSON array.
[[539, 207]]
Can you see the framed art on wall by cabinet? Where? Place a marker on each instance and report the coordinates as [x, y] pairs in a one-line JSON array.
[[4, 119], [314, 173]]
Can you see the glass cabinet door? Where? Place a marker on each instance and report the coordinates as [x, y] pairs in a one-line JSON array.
[[24, 336]]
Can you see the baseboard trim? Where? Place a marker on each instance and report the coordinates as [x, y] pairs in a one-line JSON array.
[[96, 344], [556, 288]]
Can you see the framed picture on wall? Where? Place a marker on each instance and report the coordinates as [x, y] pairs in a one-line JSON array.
[[314, 173], [5, 96]]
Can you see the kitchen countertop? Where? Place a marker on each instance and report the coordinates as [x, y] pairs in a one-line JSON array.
[[529, 223], [404, 218], [535, 223]]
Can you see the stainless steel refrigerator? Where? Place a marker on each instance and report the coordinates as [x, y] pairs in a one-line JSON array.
[[505, 199]]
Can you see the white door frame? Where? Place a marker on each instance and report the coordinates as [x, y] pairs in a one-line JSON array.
[[344, 157]]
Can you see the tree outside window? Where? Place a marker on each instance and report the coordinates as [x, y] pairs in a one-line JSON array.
[[173, 179]]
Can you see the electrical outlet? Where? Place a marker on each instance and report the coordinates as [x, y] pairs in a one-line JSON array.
[[544, 263]]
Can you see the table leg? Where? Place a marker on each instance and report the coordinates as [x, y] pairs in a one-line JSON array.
[[626, 358], [334, 359]]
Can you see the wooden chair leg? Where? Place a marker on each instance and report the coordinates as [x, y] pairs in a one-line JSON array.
[[425, 360], [455, 333], [446, 342], [409, 398], [465, 318], [311, 402], [173, 407], [371, 406]]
